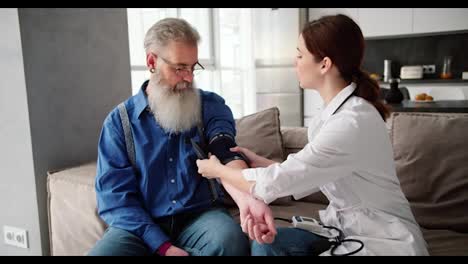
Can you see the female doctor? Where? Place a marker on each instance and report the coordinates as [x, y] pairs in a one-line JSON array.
[[348, 157]]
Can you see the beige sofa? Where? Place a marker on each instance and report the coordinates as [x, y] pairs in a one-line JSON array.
[[431, 156]]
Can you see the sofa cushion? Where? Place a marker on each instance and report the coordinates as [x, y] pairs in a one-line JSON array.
[[74, 226], [261, 133], [430, 152], [294, 139], [445, 242]]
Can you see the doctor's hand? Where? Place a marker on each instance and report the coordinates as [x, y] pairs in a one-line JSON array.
[[256, 161], [209, 168]]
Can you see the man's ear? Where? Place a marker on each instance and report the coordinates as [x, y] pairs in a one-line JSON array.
[[151, 60]]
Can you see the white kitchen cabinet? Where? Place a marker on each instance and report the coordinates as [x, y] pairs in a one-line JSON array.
[[378, 22], [276, 34], [315, 13], [390, 22], [374, 22], [426, 20]]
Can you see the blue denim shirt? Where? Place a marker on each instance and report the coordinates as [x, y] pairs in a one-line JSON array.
[[165, 181]]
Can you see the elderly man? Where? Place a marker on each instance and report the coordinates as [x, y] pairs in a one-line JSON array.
[[160, 205]]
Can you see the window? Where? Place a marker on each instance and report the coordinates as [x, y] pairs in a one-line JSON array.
[[200, 19], [225, 50]]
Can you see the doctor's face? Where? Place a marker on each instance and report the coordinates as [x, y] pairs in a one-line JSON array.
[[307, 69]]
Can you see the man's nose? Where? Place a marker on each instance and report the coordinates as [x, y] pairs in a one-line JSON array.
[[188, 77]]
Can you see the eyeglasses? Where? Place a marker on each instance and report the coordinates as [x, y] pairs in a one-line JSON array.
[[184, 71]]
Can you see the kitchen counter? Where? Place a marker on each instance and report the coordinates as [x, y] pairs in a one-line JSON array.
[[431, 81], [447, 106]]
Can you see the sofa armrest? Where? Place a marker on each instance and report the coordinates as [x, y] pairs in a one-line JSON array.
[[74, 225]]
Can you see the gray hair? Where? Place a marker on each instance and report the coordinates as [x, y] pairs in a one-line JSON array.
[[170, 29]]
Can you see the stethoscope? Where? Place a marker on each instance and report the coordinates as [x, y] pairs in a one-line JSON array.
[[334, 112], [342, 103]]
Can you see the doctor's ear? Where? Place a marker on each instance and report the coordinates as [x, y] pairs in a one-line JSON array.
[[326, 65]]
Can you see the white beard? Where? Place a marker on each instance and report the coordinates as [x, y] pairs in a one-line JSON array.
[[175, 110]]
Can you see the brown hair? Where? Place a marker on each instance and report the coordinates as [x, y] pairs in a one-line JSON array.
[[340, 38]]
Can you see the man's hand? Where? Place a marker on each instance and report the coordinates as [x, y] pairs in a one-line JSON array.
[[257, 220], [260, 230], [261, 219], [175, 251]]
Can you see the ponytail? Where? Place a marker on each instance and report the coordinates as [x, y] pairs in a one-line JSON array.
[[368, 89]]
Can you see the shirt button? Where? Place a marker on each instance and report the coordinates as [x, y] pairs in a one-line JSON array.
[[170, 159], [172, 181], [174, 201]]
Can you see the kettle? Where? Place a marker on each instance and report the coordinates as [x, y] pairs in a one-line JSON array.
[[394, 95]]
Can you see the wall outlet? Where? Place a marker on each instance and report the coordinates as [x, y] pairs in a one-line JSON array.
[[15, 236], [428, 69]]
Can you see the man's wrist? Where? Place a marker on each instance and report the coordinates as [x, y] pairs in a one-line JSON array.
[[244, 198], [163, 248]]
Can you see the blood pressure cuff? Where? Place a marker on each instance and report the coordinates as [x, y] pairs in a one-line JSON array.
[[220, 146]]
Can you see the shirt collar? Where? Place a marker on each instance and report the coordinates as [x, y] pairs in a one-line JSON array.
[[337, 101], [141, 100]]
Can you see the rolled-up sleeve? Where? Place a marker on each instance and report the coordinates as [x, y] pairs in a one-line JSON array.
[[328, 157], [119, 204]]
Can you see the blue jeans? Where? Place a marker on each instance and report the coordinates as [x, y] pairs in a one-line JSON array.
[[290, 242], [208, 233]]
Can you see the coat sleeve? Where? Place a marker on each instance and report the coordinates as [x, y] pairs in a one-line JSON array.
[[330, 156]]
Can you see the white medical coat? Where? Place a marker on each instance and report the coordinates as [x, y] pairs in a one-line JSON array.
[[349, 158]]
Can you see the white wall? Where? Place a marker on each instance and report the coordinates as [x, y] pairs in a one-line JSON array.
[[17, 185], [63, 70], [275, 39]]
